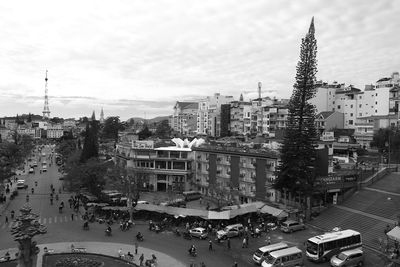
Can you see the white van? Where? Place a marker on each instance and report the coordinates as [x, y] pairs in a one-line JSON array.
[[262, 252], [287, 257]]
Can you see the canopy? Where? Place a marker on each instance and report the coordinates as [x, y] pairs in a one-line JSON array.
[[116, 208], [394, 234], [273, 211], [96, 204]]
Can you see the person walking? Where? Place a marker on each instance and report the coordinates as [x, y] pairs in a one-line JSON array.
[[244, 242], [141, 259], [136, 247], [72, 216], [235, 264], [229, 243], [6, 219], [210, 245]]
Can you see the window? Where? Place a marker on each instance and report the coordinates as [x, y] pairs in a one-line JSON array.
[[360, 114], [338, 107], [351, 114], [376, 111], [376, 102], [351, 122], [360, 105], [351, 106]]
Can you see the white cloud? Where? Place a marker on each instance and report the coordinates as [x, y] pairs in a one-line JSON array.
[[161, 50]]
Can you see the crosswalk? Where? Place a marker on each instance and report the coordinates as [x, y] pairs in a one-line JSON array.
[[47, 220]]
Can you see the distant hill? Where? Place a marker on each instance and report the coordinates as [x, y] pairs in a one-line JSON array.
[[150, 121]]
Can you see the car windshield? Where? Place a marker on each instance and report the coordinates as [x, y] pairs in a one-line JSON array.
[[269, 259], [312, 248], [258, 253], [341, 256]]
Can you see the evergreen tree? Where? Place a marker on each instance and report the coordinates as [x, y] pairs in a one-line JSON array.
[[90, 145], [296, 172]]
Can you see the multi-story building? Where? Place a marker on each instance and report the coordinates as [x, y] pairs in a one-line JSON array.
[[274, 118], [184, 119], [24, 130], [54, 131], [240, 117], [324, 99], [166, 169], [209, 114], [242, 174]]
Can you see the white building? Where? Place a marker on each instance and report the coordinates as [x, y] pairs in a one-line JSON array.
[[209, 114], [54, 131]]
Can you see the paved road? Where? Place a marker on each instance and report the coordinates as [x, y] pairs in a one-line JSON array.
[[61, 228]]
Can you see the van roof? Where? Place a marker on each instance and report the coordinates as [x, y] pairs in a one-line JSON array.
[[352, 251], [275, 246], [285, 252]]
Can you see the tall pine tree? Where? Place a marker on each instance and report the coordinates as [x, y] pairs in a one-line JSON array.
[[91, 143], [297, 170]]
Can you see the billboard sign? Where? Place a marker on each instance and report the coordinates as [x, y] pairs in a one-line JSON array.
[[142, 144]]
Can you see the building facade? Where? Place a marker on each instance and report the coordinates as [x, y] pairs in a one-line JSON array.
[[241, 175]]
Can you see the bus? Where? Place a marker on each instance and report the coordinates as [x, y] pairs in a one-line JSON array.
[[191, 195], [323, 247]]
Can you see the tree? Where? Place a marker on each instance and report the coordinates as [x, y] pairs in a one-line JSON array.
[[296, 172], [163, 129], [144, 133], [90, 174], [91, 143], [112, 126]]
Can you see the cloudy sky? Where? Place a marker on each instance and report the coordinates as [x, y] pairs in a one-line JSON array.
[[136, 58]]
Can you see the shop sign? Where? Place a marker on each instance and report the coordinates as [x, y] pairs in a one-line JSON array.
[[143, 144]]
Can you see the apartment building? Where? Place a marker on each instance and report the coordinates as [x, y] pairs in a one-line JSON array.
[[209, 114], [184, 118], [164, 169], [243, 174], [54, 131]]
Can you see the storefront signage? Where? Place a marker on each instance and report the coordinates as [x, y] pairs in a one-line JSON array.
[[143, 144]]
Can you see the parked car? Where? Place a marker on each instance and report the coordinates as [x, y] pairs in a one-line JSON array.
[[198, 232], [348, 258], [31, 170], [290, 226], [231, 231]]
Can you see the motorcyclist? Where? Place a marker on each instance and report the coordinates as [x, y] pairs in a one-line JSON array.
[[27, 198], [139, 236], [32, 190], [192, 250], [86, 225]]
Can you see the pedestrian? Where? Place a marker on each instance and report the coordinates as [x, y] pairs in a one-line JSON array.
[[187, 226], [247, 241], [244, 242], [141, 259], [72, 216], [200, 201], [136, 247], [6, 219], [210, 245], [235, 264], [269, 240], [228, 243]]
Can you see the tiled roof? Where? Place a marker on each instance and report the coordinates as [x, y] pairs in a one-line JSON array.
[[383, 80], [325, 114]]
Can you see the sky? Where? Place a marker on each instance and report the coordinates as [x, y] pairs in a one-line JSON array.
[[136, 58]]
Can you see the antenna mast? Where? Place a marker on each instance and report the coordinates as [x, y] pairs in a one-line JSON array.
[[46, 110]]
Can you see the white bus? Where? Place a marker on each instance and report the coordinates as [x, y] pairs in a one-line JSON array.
[[323, 247]]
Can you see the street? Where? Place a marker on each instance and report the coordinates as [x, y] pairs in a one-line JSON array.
[[61, 227]]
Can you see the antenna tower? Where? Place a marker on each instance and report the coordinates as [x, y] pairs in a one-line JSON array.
[[259, 89], [46, 110]]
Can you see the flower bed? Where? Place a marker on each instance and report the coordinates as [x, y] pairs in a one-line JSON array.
[[83, 260]]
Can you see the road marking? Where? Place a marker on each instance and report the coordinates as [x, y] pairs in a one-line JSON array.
[[55, 219], [44, 220], [49, 220], [39, 220], [3, 226], [65, 218]]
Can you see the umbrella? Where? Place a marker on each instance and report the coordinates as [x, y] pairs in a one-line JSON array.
[[394, 234]]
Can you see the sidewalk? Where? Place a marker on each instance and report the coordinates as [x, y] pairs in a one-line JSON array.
[[110, 249]]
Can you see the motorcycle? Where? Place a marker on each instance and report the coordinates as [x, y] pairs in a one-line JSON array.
[[177, 233], [108, 232], [86, 226], [139, 238], [192, 252]]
